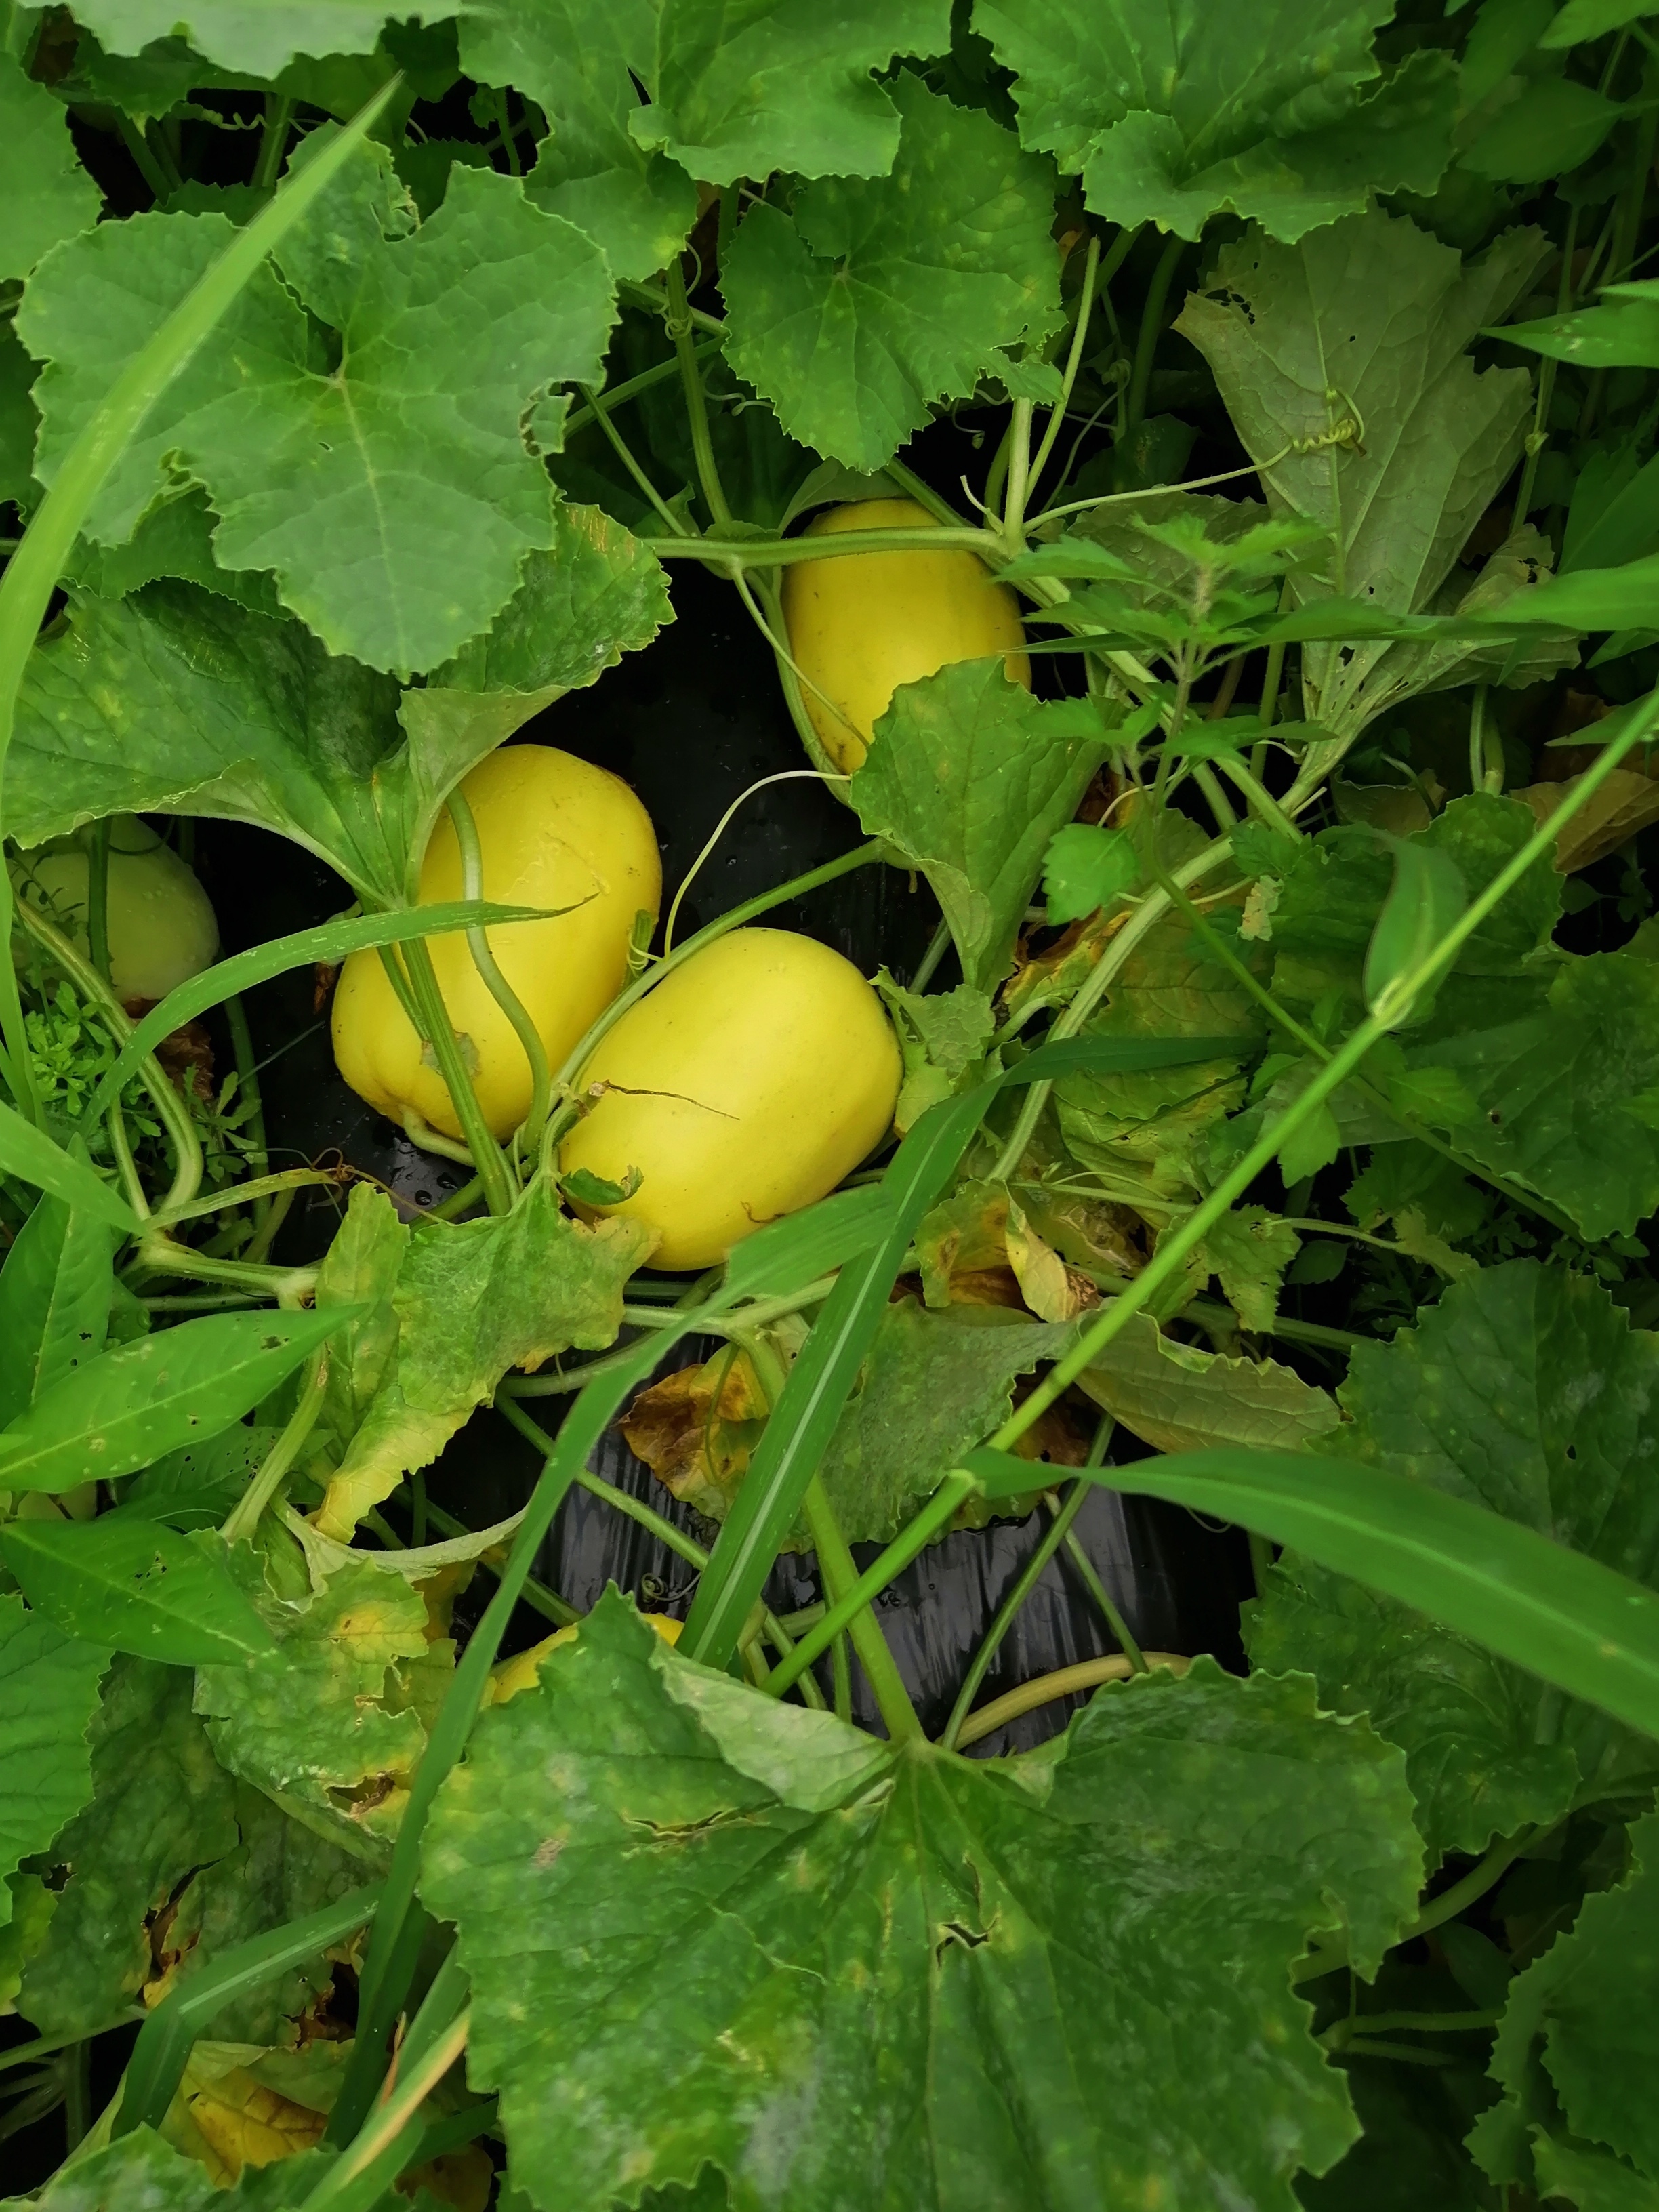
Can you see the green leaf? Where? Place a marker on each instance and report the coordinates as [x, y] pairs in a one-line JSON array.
[[129, 1405], [176, 699], [943, 1038], [1621, 333], [1555, 124], [30, 1154], [931, 1384], [1590, 599], [1273, 113], [1562, 1091], [1485, 1401], [578, 59], [781, 85], [50, 1686], [865, 1938], [1584, 2010], [787, 1254], [360, 1272], [56, 1289], [472, 1301], [174, 539], [159, 1807], [969, 777], [281, 1871], [256, 37], [47, 196], [1087, 866], [1137, 1131], [1425, 901], [1590, 2178], [1248, 1250], [328, 1724], [1582, 19], [137, 1585], [1177, 1398], [1436, 440], [883, 296], [396, 499]]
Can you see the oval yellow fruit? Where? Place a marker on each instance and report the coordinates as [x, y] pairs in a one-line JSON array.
[[552, 831], [746, 1086], [862, 624]]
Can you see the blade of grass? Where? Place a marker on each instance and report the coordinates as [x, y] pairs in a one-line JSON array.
[[1590, 1631]]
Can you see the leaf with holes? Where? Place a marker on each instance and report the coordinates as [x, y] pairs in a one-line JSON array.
[[137, 1586], [48, 1696]]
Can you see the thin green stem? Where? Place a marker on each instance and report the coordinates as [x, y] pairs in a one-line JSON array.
[[855, 1595], [1073, 362], [678, 323], [143, 153], [254, 1192], [537, 1595], [1064, 1683], [1342, 2031], [244, 1515], [1152, 329], [98, 897], [598, 404], [504, 124], [158, 1255], [1111, 1612], [249, 1096], [1008, 1611], [938, 945], [781, 552], [486, 1153], [849, 1609], [619, 445], [529, 1036], [1019, 477], [273, 140]]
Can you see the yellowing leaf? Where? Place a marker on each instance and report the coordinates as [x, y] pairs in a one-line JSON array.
[[1626, 802], [696, 1429], [523, 1671]]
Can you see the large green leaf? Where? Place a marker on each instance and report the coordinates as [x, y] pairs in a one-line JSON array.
[[864, 1938], [258, 37], [885, 295], [396, 498], [1487, 1399], [969, 777], [472, 1302], [55, 1289], [1366, 323], [160, 1808], [327, 1723], [177, 1387], [137, 1585], [1585, 2011], [48, 1695], [177, 699], [47, 196], [1271, 111]]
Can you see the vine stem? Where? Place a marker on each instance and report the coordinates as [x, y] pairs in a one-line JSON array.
[[1030, 1575], [1392, 1006], [486, 1153], [484, 959], [1019, 478], [1151, 325], [1064, 1683], [678, 323], [1073, 362], [851, 1610], [244, 1515]]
